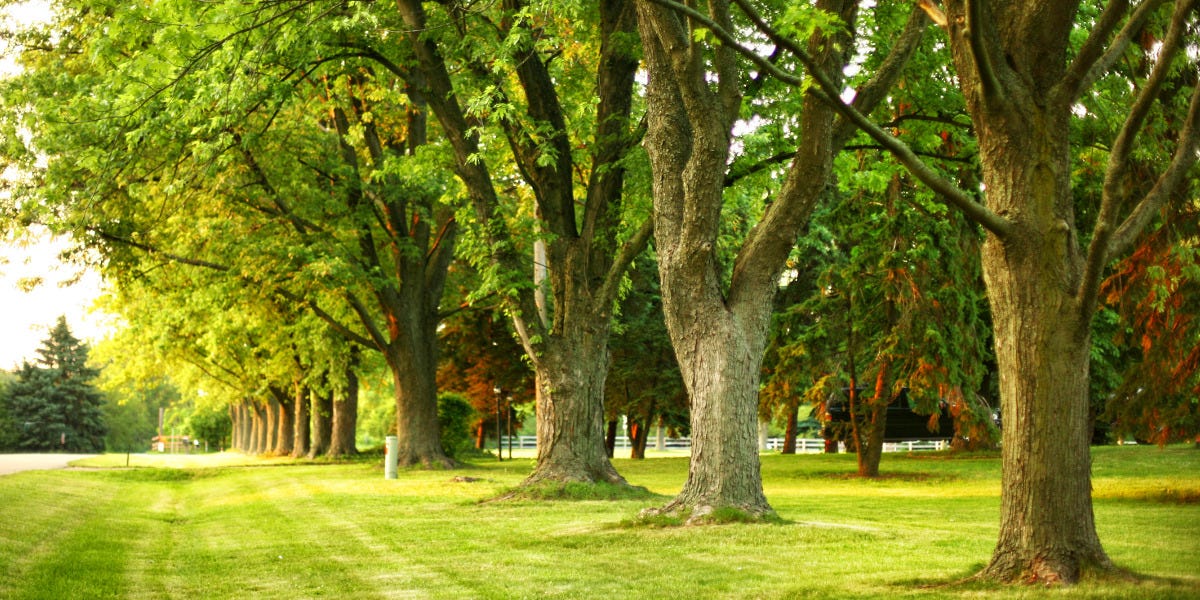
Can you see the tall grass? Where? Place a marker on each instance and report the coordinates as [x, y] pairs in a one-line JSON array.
[[316, 531]]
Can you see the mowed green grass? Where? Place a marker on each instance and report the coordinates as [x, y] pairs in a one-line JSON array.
[[275, 529]]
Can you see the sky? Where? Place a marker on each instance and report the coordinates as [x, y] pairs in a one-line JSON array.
[[26, 317]]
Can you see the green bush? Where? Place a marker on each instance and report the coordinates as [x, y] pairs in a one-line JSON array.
[[455, 415]]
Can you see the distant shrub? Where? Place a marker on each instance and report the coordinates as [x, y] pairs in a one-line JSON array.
[[455, 415]]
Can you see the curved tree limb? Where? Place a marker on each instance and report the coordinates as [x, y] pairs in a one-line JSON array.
[[992, 89], [1109, 240], [1093, 60], [827, 92], [871, 93], [1184, 158], [607, 292]]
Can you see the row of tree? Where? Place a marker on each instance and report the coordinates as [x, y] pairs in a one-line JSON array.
[[272, 186]]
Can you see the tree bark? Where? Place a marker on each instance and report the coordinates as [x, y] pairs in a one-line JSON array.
[[719, 335], [284, 425], [235, 421], [247, 425], [1033, 272], [322, 422], [789, 435], [271, 416], [345, 418], [721, 369], [261, 428], [1047, 528], [417, 427], [570, 406], [301, 421], [1042, 342]]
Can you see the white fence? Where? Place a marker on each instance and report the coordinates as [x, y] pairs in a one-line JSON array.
[[803, 445]]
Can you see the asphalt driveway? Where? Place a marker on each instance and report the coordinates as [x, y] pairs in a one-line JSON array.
[[13, 463]]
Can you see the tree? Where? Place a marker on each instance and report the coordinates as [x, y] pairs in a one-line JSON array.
[[1025, 79], [8, 428], [719, 328], [1154, 293], [510, 73], [53, 403], [899, 306], [300, 169], [131, 412], [479, 359], [1022, 81]]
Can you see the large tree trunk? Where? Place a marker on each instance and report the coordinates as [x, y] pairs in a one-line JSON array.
[[345, 418], [284, 425], [322, 423], [1047, 529], [417, 428], [721, 362], [247, 426], [271, 415], [301, 422], [235, 422], [570, 408], [260, 428], [1033, 269]]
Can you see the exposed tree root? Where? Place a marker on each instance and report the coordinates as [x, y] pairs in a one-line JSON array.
[[680, 513], [1052, 571]]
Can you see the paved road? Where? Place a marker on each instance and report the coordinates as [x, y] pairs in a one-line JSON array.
[[12, 463]]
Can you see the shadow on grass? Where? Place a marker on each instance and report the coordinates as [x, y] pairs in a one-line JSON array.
[[1118, 582], [659, 519], [899, 476], [575, 491], [1160, 496], [159, 474]]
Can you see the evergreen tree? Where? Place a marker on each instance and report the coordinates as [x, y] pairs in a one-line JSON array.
[[8, 430], [52, 403]]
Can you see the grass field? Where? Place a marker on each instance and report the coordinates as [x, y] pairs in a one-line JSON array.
[[227, 526]]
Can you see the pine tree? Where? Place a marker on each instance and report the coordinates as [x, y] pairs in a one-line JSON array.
[[53, 404]]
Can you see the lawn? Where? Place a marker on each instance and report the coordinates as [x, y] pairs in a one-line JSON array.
[[226, 526]]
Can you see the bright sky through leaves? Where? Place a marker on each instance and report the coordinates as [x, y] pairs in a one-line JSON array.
[[27, 316]]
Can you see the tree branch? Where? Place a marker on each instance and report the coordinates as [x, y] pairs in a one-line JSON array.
[[827, 92], [871, 93], [607, 293], [377, 341], [737, 172], [1093, 60], [150, 249], [1107, 239], [969, 160], [979, 52], [1183, 160]]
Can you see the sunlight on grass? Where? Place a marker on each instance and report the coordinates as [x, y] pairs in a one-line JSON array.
[[179, 461], [220, 526]]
